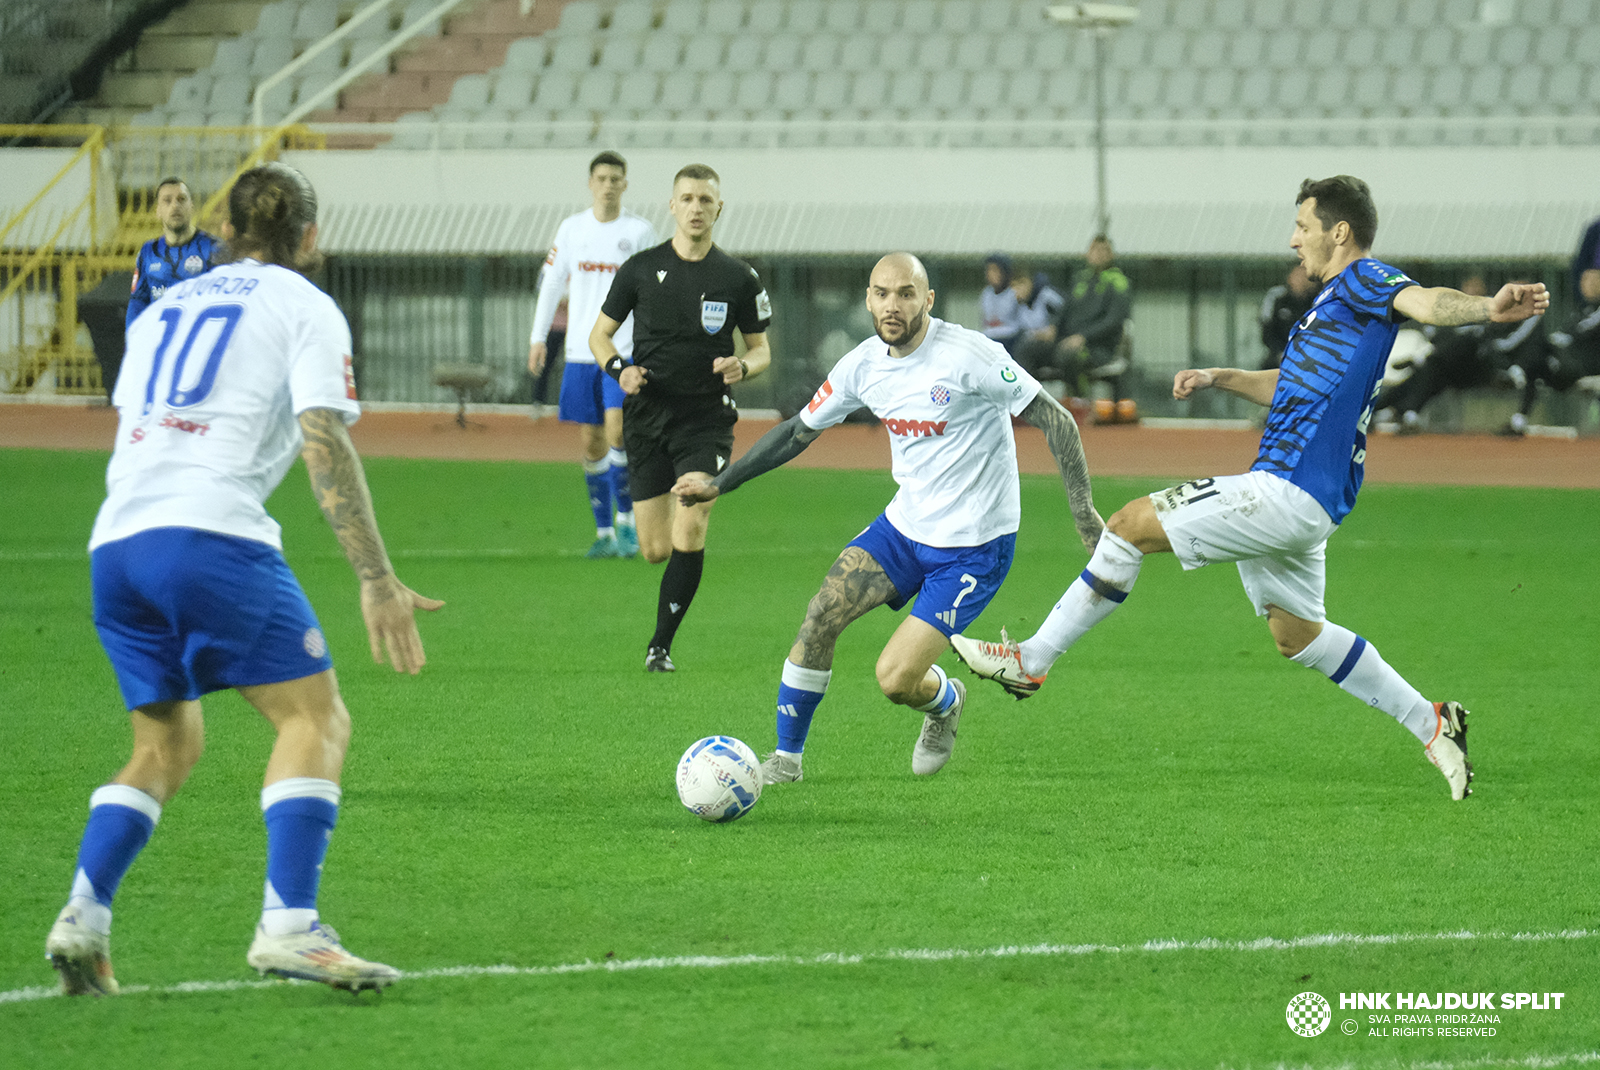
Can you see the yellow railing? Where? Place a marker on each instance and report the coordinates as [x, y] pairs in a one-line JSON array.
[[44, 264]]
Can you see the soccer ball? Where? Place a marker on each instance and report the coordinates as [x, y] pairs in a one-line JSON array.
[[719, 779]]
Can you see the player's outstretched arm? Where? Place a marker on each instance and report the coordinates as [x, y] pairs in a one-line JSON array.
[[340, 486], [1256, 386], [778, 446], [1066, 446], [1444, 307]]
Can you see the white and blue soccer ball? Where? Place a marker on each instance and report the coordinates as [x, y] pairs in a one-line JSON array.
[[719, 779]]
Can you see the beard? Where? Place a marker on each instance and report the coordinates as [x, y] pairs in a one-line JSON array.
[[905, 335]]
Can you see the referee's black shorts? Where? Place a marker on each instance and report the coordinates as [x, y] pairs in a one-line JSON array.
[[667, 435]]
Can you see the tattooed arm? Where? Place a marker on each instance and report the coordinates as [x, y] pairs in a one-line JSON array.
[[340, 487], [778, 446], [1066, 446], [1444, 307]]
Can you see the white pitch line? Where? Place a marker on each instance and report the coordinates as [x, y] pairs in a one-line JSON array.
[[835, 958]]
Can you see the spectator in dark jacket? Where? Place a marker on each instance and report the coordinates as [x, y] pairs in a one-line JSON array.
[[1565, 358], [1092, 324], [1283, 307]]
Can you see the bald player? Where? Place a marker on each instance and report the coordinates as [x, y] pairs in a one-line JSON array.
[[946, 395]]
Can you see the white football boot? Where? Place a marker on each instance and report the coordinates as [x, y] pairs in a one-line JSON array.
[[1448, 748], [1000, 662], [80, 955], [780, 769], [938, 737], [316, 955]]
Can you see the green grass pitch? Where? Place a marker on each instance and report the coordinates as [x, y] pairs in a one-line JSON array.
[[1161, 837]]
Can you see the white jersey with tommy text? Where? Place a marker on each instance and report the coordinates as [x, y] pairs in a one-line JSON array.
[[948, 408], [582, 262], [216, 373]]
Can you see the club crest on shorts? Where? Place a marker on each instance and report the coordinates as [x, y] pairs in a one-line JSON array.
[[713, 314], [315, 645], [940, 395]]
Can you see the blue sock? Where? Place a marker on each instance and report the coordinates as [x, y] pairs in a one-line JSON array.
[[121, 820], [300, 813], [619, 482], [598, 475], [945, 698], [798, 695]]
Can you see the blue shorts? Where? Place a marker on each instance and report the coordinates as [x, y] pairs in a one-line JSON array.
[[952, 586], [586, 393], [183, 612]]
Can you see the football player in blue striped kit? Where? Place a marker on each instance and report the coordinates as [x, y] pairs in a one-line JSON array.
[[181, 252], [1275, 520]]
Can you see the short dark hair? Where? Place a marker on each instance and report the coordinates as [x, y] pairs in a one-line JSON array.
[[1343, 199], [170, 180], [697, 171], [613, 159], [270, 208]]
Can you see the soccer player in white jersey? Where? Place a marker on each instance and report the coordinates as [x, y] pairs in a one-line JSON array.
[[1275, 520], [227, 377], [588, 249], [946, 394]]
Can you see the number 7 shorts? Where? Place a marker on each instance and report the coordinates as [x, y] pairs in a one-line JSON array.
[[1276, 532], [952, 585]]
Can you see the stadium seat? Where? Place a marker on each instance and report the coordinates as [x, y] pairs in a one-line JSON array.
[[1486, 88], [859, 53], [1524, 87], [228, 117], [234, 55], [684, 16], [192, 91], [1255, 90], [973, 52], [961, 16], [679, 90], [997, 16], [716, 91], [1360, 48], [1282, 50], [315, 21], [277, 20], [1445, 88], [987, 89], [1564, 86], [704, 52], [880, 17], [908, 89], [898, 52], [619, 52], [1230, 15], [819, 54], [791, 91], [271, 56], [1397, 47], [1437, 47], [512, 89], [1067, 89], [324, 62], [1293, 89], [470, 92], [783, 52], [417, 11], [753, 90], [555, 90], [1128, 50], [1321, 49], [1512, 45], [919, 16], [1012, 51], [632, 16], [1342, 14], [945, 91], [804, 16], [831, 91], [765, 17], [1025, 90], [572, 52], [842, 17], [1410, 88], [638, 91], [1188, 15], [1050, 51], [1269, 14], [1473, 45], [1217, 89], [597, 90], [231, 91], [579, 16], [869, 90], [1371, 90], [1552, 45], [935, 53], [662, 52], [1167, 51], [1575, 13], [492, 131], [420, 136], [725, 16], [526, 54]]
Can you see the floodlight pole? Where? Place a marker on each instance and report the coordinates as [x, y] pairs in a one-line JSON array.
[[1100, 20]]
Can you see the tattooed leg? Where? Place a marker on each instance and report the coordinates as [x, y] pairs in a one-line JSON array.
[[855, 585]]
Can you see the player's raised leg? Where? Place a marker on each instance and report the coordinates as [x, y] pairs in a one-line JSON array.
[[1105, 584], [300, 804], [1356, 666], [854, 585], [168, 738]]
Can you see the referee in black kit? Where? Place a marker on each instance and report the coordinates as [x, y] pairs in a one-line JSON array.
[[687, 297]]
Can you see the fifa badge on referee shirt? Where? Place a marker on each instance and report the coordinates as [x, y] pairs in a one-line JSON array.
[[713, 314]]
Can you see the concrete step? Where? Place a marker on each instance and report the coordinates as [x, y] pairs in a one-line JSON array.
[[171, 52], [135, 89], [96, 115], [218, 18]]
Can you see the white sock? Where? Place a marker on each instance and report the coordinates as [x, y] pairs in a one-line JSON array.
[[1090, 599], [1356, 666]]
